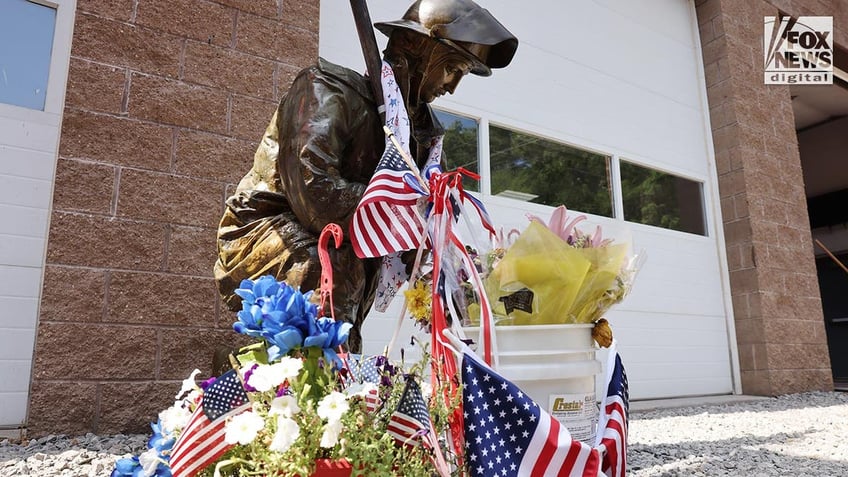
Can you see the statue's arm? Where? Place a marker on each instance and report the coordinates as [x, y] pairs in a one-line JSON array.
[[327, 126]]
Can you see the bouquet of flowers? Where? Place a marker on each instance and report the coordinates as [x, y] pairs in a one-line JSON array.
[[555, 273], [293, 404]]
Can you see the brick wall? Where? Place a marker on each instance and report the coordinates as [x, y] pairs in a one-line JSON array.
[[776, 301], [165, 103]]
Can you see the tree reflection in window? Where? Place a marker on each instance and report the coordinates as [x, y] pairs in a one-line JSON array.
[[664, 200], [542, 171], [460, 146]]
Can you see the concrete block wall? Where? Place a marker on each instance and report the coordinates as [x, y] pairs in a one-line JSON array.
[[776, 301], [165, 104]]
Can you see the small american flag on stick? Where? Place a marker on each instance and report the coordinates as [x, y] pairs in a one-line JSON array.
[[410, 423], [202, 440]]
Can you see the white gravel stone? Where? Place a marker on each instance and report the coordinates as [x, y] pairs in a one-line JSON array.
[[793, 435]]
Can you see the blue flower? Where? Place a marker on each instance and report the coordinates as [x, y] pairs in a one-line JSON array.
[[127, 467], [256, 292], [328, 335], [161, 444], [160, 440], [257, 299], [275, 311]]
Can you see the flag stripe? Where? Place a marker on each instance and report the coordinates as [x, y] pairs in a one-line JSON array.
[[408, 219], [382, 218], [402, 428], [399, 225], [548, 435], [361, 233]]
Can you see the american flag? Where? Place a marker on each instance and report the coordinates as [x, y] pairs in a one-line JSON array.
[[410, 423], [508, 434], [613, 421], [365, 370], [202, 440], [387, 219]]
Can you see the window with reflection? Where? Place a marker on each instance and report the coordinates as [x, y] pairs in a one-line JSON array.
[[460, 145], [26, 43], [664, 200], [542, 171]]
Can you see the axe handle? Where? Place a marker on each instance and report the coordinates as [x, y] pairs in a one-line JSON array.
[[373, 62]]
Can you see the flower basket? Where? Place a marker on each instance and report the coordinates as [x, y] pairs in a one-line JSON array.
[[332, 468]]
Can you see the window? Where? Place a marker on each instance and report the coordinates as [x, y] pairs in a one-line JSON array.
[[26, 43], [460, 146], [664, 200], [538, 170]]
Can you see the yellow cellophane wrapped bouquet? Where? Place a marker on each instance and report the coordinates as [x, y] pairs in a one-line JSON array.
[[556, 274]]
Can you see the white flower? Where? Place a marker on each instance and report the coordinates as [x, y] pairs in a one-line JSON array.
[[266, 377], [363, 389], [188, 384], [243, 428], [333, 406], [284, 406], [261, 378], [175, 417], [288, 367], [331, 434], [193, 396], [426, 391], [287, 433], [149, 460]]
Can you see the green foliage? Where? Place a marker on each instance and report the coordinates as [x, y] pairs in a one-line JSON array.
[[460, 149], [656, 198], [555, 173], [363, 441]]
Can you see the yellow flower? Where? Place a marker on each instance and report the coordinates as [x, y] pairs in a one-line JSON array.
[[418, 301]]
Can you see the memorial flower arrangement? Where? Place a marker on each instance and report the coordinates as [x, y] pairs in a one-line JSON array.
[[555, 273], [294, 405]]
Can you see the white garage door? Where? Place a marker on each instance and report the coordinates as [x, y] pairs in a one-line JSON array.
[[35, 42], [622, 79]]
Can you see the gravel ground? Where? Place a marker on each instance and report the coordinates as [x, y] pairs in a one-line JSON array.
[[793, 435]]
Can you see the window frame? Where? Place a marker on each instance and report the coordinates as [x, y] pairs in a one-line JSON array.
[[700, 182], [60, 57], [484, 121]]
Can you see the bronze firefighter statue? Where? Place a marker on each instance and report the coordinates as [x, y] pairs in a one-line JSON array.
[[323, 144]]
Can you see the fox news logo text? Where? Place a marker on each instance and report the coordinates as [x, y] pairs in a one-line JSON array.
[[798, 51]]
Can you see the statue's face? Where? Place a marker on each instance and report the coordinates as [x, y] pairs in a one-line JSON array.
[[443, 74]]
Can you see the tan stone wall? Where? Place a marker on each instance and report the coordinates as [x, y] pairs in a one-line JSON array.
[[166, 101], [776, 301]]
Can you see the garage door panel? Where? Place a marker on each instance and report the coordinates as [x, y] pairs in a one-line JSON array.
[[681, 387], [15, 374], [16, 311], [13, 410]]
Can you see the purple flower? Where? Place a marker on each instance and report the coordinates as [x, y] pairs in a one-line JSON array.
[[207, 383], [248, 387]]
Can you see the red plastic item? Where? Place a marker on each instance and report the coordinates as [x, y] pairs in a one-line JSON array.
[[334, 231], [332, 468]]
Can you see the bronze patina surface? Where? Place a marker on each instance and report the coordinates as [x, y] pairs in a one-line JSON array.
[[323, 144]]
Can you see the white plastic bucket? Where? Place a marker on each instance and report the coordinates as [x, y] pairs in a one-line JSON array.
[[556, 366]]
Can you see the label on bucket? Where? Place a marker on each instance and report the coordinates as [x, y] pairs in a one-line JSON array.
[[577, 412]]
